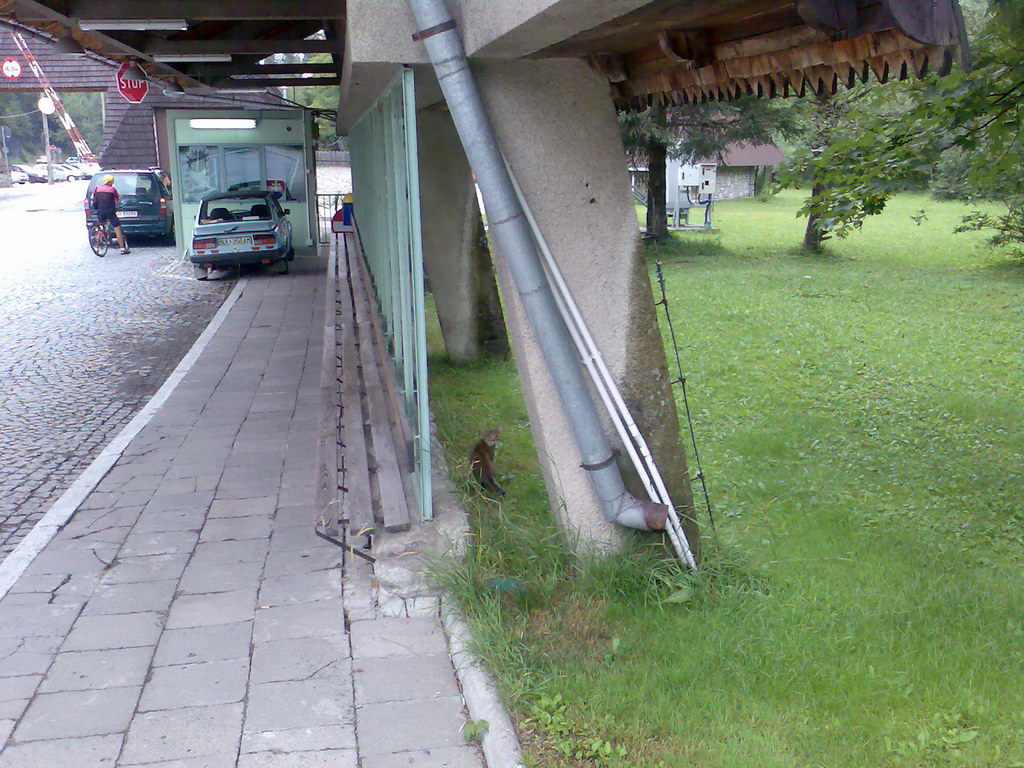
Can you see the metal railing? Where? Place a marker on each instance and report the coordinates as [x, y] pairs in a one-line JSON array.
[[385, 180], [326, 205]]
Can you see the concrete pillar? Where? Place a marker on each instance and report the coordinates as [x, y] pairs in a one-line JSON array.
[[556, 124], [455, 253]]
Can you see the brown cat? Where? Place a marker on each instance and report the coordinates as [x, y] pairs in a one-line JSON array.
[[481, 461]]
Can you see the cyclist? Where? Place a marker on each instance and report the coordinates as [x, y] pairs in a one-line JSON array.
[[104, 200]]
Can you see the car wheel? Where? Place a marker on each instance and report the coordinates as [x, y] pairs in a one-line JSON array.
[[290, 255]]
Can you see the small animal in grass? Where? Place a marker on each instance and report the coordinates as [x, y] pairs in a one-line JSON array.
[[481, 461]]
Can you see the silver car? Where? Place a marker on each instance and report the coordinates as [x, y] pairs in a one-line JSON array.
[[236, 228]]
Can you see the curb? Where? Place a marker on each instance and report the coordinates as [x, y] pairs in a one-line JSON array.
[[57, 516], [500, 744]]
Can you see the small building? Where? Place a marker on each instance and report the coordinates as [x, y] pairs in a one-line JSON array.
[[739, 166]]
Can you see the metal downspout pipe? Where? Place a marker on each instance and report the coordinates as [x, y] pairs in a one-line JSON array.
[[510, 229]]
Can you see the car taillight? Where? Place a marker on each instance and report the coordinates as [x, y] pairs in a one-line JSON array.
[[85, 204], [163, 206], [264, 239], [202, 244]]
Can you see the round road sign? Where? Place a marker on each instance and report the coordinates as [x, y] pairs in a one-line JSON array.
[[11, 68], [46, 105]]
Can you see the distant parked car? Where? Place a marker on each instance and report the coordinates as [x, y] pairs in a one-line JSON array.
[[236, 228], [18, 177], [33, 176], [144, 208]]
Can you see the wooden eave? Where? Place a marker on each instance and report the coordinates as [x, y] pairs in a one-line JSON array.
[[683, 51]]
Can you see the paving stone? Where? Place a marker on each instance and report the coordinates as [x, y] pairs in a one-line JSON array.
[[216, 608], [95, 633], [188, 732], [79, 539], [453, 757], [131, 598], [160, 543], [19, 688], [301, 588], [6, 729], [13, 709], [131, 570], [396, 637], [18, 621], [301, 620], [92, 670], [164, 501], [291, 515], [326, 758], [94, 752], [27, 655], [247, 490], [165, 520], [226, 760], [236, 529], [213, 643], [299, 658], [404, 678], [77, 713], [195, 685], [200, 578], [85, 561], [290, 537], [303, 561], [426, 725], [211, 552], [301, 739], [320, 700]]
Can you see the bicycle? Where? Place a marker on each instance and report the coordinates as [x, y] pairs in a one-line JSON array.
[[101, 236]]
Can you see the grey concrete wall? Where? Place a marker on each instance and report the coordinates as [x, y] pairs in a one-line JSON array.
[[556, 124], [449, 211]]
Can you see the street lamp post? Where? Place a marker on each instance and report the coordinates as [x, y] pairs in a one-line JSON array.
[[47, 107]]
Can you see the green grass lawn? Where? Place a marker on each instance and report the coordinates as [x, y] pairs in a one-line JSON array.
[[860, 420]]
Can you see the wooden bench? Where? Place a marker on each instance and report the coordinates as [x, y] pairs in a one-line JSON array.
[[371, 481]]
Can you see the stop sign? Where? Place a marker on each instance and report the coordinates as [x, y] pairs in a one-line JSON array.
[[133, 90]]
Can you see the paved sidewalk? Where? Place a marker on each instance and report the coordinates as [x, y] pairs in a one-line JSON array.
[[187, 616]]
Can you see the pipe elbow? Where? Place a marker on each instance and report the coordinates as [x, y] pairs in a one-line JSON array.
[[639, 514]]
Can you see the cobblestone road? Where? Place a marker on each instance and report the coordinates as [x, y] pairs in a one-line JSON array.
[[84, 343]]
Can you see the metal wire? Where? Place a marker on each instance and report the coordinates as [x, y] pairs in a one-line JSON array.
[[681, 381]]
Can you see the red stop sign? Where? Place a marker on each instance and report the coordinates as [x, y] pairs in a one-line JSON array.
[[133, 90]]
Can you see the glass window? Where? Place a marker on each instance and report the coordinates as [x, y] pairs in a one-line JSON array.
[[221, 209], [242, 169], [286, 172], [199, 172]]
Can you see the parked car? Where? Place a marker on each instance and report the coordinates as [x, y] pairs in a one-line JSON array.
[[18, 176], [83, 168], [144, 207], [236, 228], [32, 173]]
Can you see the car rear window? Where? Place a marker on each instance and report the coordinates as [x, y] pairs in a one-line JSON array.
[[130, 184], [234, 209]]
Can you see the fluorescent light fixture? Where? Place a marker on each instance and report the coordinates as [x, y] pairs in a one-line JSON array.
[[223, 123], [186, 57], [156, 25], [66, 44]]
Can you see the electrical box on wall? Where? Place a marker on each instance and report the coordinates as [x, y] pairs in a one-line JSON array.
[[708, 178]]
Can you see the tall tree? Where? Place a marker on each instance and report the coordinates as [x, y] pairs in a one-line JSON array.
[[899, 131], [697, 131]]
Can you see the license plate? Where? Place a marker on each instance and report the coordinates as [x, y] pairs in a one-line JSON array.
[[128, 214], [221, 241]]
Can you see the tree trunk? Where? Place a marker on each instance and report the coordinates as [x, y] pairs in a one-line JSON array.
[[814, 236], [826, 118], [657, 155]]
